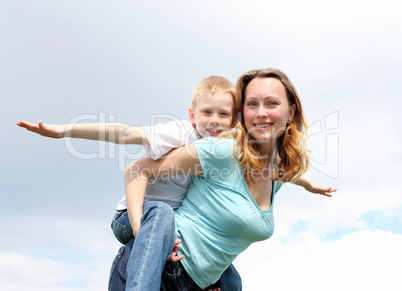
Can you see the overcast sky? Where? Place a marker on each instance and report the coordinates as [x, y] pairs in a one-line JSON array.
[[130, 61]]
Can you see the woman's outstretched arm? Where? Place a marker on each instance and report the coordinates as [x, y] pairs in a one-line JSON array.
[[313, 187]]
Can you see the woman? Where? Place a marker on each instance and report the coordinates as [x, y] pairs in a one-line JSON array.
[[229, 202]]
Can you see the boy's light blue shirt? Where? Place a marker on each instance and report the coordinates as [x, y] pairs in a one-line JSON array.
[[219, 218]]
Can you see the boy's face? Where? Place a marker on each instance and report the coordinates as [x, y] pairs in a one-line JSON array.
[[213, 114]]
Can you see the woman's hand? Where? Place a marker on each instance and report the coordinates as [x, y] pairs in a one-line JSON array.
[[318, 189], [48, 130], [313, 187]]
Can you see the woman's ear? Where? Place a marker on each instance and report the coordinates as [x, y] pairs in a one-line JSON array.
[[292, 111]]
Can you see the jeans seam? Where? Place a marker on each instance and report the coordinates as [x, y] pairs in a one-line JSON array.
[[151, 239], [119, 254]]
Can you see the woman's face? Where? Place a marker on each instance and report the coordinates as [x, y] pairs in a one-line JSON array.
[[266, 109]]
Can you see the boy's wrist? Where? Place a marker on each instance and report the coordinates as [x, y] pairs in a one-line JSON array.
[[136, 227]]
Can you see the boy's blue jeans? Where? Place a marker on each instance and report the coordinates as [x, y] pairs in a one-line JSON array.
[[139, 265], [175, 277]]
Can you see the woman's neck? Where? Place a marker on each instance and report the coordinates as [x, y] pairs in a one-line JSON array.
[[266, 153]]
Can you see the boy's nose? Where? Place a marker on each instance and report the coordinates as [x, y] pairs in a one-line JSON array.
[[214, 119]]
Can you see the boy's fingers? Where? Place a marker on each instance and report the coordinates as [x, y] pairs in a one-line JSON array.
[[22, 123]]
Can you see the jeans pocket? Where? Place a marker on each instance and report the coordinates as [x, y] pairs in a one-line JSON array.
[[170, 270], [175, 277], [121, 227]]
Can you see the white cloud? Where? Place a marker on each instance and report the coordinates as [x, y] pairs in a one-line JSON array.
[[344, 211], [21, 272], [75, 255], [363, 260]]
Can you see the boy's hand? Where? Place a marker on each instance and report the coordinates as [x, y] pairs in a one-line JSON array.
[[174, 257], [318, 189], [48, 130]]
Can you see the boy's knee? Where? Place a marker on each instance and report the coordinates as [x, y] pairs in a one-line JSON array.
[[165, 209], [162, 210]]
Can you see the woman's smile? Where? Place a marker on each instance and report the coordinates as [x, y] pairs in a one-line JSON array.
[[263, 125]]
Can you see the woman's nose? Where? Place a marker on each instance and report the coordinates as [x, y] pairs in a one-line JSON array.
[[262, 111]]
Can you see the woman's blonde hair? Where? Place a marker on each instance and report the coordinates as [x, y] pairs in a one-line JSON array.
[[290, 158]]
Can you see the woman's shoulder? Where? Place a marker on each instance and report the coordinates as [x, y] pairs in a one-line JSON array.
[[216, 140], [217, 143], [217, 147]]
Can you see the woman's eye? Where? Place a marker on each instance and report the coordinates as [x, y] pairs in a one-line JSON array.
[[251, 104]]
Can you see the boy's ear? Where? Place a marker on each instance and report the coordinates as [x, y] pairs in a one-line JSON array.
[[191, 115]]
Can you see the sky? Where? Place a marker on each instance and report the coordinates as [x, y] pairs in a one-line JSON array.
[[138, 62]]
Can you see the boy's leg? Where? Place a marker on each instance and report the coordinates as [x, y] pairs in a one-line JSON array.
[[124, 233], [230, 280], [117, 280], [152, 247], [121, 227]]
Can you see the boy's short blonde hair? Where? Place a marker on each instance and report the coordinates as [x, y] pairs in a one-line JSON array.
[[215, 85]]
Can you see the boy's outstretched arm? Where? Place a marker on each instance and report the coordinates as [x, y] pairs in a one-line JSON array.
[[313, 187], [118, 133]]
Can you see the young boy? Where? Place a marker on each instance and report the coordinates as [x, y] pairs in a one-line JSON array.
[[211, 112]]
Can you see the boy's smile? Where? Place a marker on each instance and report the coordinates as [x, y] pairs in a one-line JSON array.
[[213, 114]]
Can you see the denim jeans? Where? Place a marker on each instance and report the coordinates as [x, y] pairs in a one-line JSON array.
[[121, 227], [175, 277], [140, 263]]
